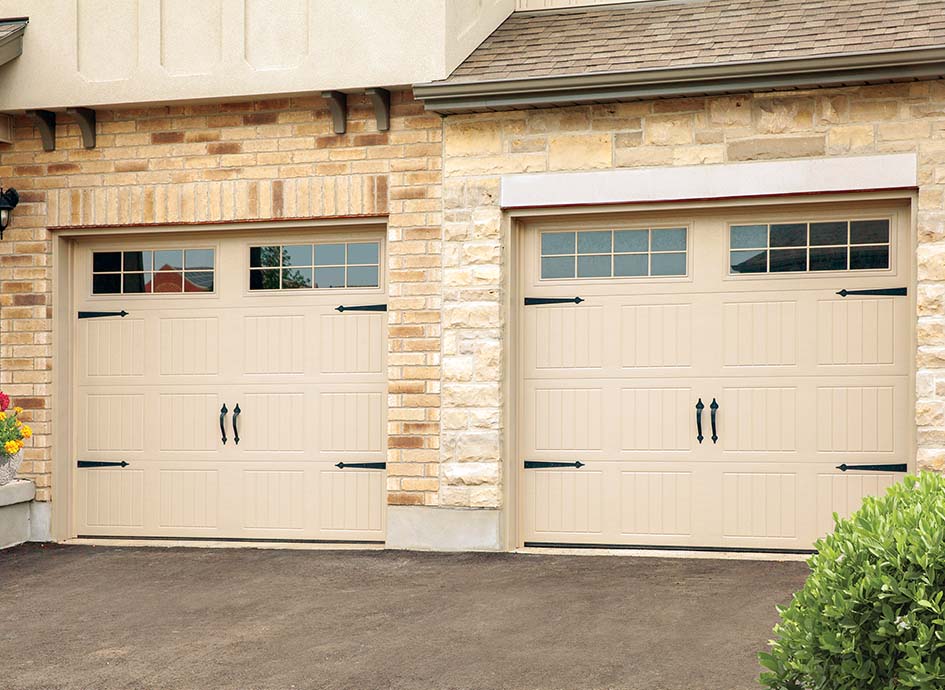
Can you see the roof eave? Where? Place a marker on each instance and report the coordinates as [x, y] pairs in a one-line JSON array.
[[833, 70]]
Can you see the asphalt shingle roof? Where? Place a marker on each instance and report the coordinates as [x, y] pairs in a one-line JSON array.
[[684, 33]]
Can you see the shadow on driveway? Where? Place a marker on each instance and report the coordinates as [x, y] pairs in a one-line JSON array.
[[102, 618]]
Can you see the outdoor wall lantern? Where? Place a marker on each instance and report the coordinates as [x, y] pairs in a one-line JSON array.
[[8, 201]]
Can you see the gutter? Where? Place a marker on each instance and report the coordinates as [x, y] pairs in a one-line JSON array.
[[447, 97], [11, 44]]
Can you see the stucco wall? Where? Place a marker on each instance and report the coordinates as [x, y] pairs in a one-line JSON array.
[[480, 148]]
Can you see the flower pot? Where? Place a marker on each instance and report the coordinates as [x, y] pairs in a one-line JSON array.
[[9, 464]]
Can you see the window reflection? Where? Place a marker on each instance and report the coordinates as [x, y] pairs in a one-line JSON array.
[[314, 266]]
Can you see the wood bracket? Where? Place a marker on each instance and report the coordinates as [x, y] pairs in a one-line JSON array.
[[45, 121], [380, 98], [85, 118], [338, 105]]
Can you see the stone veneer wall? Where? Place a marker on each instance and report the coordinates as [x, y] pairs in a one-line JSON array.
[[255, 160], [479, 148]]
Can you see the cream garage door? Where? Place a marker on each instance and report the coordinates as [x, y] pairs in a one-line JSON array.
[[712, 382], [232, 388]]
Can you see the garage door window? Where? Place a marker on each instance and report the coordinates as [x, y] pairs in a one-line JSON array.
[[153, 271], [613, 253], [815, 246], [314, 266]]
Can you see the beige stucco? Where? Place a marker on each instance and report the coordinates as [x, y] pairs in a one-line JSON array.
[[108, 52]]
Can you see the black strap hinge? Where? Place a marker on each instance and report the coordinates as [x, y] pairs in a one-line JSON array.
[[101, 314], [361, 307], [541, 464], [97, 463], [891, 292], [874, 468], [531, 301], [362, 465]]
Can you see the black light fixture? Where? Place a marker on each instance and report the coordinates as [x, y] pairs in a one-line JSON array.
[[8, 201]]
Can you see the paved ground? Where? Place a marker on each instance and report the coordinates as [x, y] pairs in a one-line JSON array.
[[101, 618]]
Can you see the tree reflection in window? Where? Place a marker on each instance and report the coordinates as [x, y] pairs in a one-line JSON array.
[[318, 266]]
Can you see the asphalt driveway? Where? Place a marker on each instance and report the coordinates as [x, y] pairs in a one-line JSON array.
[[95, 617]]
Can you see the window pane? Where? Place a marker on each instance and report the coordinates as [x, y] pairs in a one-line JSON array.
[[749, 236], [137, 282], [329, 255], [295, 278], [106, 261], [362, 276], [789, 235], [750, 261], [557, 267], [667, 264], [557, 243], [593, 266], [832, 259], [198, 258], [297, 255], [786, 260], [668, 240], [264, 256], [631, 240], [198, 281], [137, 261], [869, 257], [264, 280], [631, 265], [828, 233], [869, 231], [106, 284], [364, 253], [594, 243], [329, 277], [169, 260], [168, 282]]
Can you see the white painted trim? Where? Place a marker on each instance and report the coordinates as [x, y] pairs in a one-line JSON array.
[[704, 182]]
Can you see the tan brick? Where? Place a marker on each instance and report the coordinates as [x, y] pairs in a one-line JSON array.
[[580, 151]]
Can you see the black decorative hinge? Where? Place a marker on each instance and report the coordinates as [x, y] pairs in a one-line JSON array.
[[541, 464], [892, 292], [362, 465], [96, 463], [530, 301], [101, 314], [874, 468], [362, 307]]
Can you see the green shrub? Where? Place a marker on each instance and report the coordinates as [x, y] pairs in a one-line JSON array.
[[871, 616]]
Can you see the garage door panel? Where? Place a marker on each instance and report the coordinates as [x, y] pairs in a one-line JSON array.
[[189, 346], [310, 383], [111, 349], [760, 333], [802, 381], [351, 343]]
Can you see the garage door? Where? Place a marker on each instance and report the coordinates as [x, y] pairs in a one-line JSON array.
[[221, 405], [726, 380]]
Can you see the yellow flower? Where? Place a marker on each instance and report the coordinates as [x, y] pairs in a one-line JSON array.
[[26, 431], [18, 410], [3, 416], [11, 447]]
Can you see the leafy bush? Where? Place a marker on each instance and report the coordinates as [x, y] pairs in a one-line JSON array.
[[871, 616]]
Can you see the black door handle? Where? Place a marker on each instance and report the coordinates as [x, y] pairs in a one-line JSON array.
[[713, 409], [223, 412], [236, 431], [700, 406]]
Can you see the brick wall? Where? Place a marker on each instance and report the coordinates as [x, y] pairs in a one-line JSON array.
[[479, 148], [259, 160]]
